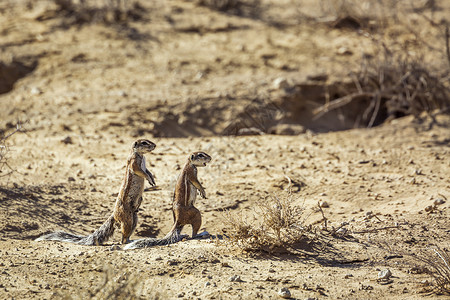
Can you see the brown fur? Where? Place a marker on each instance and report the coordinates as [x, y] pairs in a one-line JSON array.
[[127, 203], [184, 212]]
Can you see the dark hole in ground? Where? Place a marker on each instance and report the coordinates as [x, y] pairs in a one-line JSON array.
[[12, 72]]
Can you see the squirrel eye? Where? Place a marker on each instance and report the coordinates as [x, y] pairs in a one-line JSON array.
[[201, 155]]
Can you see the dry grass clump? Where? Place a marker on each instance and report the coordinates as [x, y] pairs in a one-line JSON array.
[[277, 224], [437, 265], [5, 168], [393, 85]]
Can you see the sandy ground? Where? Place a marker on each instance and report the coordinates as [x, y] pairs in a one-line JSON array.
[[182, 75]]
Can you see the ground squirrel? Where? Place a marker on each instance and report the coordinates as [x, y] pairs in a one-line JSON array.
[[127, 203], [184, 212]]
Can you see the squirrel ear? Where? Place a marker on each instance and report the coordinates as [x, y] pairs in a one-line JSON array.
[[192, 156]]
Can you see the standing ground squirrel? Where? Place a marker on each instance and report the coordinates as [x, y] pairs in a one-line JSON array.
[[184, 212], [127, 203]]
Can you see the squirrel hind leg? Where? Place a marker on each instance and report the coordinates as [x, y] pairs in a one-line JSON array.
[[196, 222]]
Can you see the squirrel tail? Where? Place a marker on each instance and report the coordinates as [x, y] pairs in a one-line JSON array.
[[98, 237], [171, 238]]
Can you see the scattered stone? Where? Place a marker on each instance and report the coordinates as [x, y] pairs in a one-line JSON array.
[[271, 270], [172, 262], [114, 248], [235, 278], [250, 131], [284, 293], [280, 83], [318, 77], [35, 91], [324, 204], [418, 172], [344, 51], [181, 295], [384, 274], [158, 258], [347, 276], [429, 208], [225, 265], [67, 140], [342, 231], [207, 283], [439, 201], [287, 129]]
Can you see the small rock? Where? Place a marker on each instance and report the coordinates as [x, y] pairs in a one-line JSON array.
[[280, 83], [225, 265], [36, 91], [287, 129], [67, 140], [235, 278], [318, 77], [347, 276], [284, 293], [324, 204], [114, 248], [342, 231], [70, 178], [250, 131], [384, 274], [429, 208], [344, 51], [181, 295], [207, 283], [439, 201]]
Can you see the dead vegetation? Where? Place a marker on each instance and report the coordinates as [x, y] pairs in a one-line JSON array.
[[5, 168], [393, 85], [278, 225], [436, 262]]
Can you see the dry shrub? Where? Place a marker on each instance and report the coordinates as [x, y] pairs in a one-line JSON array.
[[278, 224], [5, 168], [394, 85], [437, 265]]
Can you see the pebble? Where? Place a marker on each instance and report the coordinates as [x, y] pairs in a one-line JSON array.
[[342, 231], [384, 274], [324, 204], [280, 83], [344, 51], [67, 140], [35, 91], [114, 248], [284, 293], [439, 201], [235, 278], [429, 208], [207, 283]]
